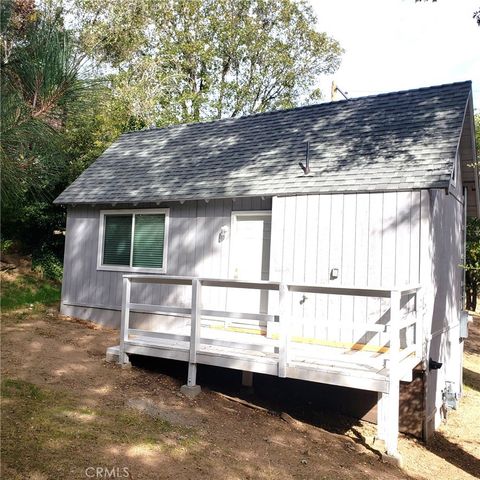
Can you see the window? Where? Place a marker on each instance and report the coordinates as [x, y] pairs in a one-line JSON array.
[[133, 240]]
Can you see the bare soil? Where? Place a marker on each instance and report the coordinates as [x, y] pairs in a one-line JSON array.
[[65, 412]]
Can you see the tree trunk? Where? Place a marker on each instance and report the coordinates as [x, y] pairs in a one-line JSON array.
[[471, 292]]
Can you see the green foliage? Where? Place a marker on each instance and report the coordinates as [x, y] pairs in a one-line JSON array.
[[48, 265], [167, 62], [41, 87], [472, 262], [190, 60], [6, 246], [46, 116], [26, 290]]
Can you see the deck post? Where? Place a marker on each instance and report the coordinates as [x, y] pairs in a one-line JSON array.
[[247, 379], [191, 389], [124, 321], [381, 416], [390, 403], [283, 330]]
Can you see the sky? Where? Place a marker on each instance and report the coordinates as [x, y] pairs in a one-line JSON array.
[[395, 45]]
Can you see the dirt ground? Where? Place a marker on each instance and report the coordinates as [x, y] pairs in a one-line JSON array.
[[66, 412]]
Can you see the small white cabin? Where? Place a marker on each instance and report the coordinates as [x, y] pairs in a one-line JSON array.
[[210, 243]]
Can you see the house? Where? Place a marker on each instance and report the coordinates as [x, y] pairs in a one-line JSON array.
[[322, 243]]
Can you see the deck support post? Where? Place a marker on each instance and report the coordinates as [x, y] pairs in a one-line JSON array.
[[390, 402], [381, 416], [191, 389], [247, 379], [124, 322], [283, 330]]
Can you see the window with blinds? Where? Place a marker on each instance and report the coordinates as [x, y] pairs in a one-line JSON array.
[[134, 240], [117, 240], [148, 237]]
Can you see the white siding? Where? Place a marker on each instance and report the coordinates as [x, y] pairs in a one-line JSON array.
[[194, 249], [443, 275], [372, 239]]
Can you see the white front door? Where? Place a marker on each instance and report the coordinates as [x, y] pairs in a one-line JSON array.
[[250, 260]]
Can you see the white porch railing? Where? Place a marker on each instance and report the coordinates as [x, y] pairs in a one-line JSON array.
[[282, 347]]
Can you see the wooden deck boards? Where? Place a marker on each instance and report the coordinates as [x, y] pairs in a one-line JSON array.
[[256, 353]]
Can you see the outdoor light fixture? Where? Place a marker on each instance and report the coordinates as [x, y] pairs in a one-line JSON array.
[[223, 234]]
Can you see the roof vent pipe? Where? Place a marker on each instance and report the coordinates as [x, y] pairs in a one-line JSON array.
[[306, 167]]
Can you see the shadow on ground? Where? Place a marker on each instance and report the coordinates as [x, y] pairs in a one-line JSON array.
[[454, 454], [319, 405]]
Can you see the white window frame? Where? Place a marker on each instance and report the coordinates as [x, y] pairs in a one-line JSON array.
[[133, 212]]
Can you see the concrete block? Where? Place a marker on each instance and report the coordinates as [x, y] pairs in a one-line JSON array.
[[112, 355], [190, 392], [392, 459]]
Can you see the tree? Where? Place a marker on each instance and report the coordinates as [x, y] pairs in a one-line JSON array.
[[472, 259], [472, 266], [43, 88], [191, 60], [476, 15]]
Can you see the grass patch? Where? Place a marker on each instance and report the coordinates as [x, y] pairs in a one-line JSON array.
[[20, 389], [26, 290], [50, 433]]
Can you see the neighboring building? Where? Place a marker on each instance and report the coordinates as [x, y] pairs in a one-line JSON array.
[[378, 221]]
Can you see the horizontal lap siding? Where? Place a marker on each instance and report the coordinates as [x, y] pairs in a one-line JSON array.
[[195, 248], [372, 239]]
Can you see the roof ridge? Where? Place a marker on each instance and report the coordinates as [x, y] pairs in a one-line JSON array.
[[301, 107]]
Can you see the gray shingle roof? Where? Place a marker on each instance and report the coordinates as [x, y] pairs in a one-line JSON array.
[[395, 141]]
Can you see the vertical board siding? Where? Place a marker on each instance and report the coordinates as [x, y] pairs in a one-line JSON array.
[[372, 238], [323, 262], [298, 262], [349, 232], [194, 249], [361, 264], [310, 276], [388, 254], [335, 261], [68, 258], [441, 272]]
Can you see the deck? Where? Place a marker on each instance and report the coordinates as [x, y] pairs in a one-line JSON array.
[[271, 343], [368, 370]]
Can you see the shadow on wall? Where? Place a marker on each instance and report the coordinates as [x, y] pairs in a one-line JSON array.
[[446, 242], [444, 275], [194, 248]]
